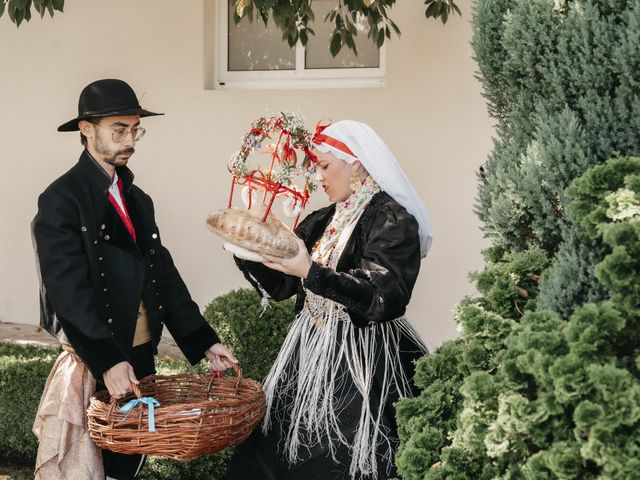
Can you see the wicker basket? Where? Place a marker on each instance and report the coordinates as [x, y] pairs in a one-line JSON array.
[[197, 416]]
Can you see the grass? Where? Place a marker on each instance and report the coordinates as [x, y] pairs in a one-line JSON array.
[[11, 472]]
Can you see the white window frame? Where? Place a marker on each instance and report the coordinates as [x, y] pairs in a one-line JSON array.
[[300, 77]]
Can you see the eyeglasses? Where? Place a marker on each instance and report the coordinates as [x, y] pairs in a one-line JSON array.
[[119, 134]]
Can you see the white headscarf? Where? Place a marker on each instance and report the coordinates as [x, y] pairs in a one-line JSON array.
[[351, 141]]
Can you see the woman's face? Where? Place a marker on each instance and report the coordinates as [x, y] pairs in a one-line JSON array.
[[334, 176]]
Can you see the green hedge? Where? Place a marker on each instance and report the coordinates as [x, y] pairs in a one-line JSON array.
[[253, 335], [23, 373]]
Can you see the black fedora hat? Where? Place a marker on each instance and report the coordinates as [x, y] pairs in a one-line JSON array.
[[106, 98]]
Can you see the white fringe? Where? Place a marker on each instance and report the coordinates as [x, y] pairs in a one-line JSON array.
[[314, 350]]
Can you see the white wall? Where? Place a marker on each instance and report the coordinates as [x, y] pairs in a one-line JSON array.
[[430, 113]]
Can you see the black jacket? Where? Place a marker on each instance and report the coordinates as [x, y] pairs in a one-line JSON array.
[[376, 272], [93, 274]]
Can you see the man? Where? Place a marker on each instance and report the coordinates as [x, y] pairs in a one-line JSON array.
[[108, 285]]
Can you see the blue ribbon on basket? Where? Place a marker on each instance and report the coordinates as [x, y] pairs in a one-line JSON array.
[[150, 402]]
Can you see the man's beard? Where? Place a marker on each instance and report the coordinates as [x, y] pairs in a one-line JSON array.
[[110, 156]]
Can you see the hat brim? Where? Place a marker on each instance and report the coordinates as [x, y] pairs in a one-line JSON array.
[[72, 125]]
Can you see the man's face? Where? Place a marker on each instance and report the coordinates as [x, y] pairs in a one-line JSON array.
[[103, 145]]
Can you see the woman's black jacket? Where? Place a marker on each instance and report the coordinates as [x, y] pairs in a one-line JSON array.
[[376, 273]]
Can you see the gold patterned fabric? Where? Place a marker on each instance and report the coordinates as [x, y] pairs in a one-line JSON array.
[[65, 449], [142, 334]]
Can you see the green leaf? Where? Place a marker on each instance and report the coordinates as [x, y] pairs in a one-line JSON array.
[[20, 4], [304, 38], [351, 44], [2, 5], [243, 9], [12, 12], [395, 27], [39, 6], [444, 16], [27, 11], [58, 5], [292, 39], [50, 7], [335, 44], [380, 39], [19, 17], [432, 10]]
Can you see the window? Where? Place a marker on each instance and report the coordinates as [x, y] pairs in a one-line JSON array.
[[251, 55]]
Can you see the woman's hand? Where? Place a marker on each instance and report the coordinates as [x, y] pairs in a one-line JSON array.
[[298, 266]]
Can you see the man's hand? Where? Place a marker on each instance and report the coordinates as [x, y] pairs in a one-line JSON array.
[[220, 357], [118, 379]]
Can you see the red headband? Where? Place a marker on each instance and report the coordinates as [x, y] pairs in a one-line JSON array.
[[320, 137]]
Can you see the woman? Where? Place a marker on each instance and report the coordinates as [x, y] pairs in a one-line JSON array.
[[348, 355]]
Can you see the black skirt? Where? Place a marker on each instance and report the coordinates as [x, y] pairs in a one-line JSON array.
[[262, 456]]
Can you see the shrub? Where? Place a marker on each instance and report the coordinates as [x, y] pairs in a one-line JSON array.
[[206, 467], [23, 374], [253, 334], [546, 397], [537, 390]]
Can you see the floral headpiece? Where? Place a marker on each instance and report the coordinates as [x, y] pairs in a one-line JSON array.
[[288, 136]]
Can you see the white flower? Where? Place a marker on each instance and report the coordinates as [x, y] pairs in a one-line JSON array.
[[623, 205], [251, 142], [237, 164], [292, 121]]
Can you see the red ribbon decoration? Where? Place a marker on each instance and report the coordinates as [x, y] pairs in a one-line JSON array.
[[312, 156], [124, 214], [320, 137], [259, 180]]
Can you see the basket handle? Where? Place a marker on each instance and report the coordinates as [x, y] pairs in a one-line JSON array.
[[239, 377]]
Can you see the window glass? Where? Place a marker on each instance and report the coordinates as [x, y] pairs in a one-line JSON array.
[[254, 46], [318, 55]]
